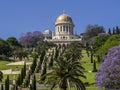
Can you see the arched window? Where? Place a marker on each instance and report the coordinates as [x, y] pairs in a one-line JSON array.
[[61, 28], [66, 28]]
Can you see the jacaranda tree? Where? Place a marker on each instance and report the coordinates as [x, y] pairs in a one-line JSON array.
[[31, 39], [108, 75]]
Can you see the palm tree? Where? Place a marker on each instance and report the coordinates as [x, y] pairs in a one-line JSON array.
[[66, 73], [74, 51]]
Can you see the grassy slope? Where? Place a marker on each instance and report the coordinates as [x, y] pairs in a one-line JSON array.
[[89, 67], [85, 62]]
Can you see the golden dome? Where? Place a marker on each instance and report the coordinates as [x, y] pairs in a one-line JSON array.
[[64, 18]]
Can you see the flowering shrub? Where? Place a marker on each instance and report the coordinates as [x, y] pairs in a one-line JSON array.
[[108, 75]]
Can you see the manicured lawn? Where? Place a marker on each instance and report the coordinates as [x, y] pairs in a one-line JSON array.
[[90, 76], [85, 63], [11, 77]]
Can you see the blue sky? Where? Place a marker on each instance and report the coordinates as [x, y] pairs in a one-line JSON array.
[[20, 16]]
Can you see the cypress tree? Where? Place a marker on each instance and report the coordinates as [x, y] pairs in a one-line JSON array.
[[94, 66], [114, 31], [7, 83], [87, 49], [109, 32], [19, 80], [34, 83], [30, 88], [117, 30], [44, 70], [98, 59], [1, 87], [91, 56], [51, 62], [56, 53], [22, 76], [33, 66], [24, 69]]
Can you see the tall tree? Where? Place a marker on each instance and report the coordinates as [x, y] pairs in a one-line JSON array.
[[93, 30], [44, 70], [109, 72], [109, 32], [65, 72], [114, 32], [34, 83], [5, 48], [2, 87], [117, 30], [74, 51], [94, 66], [31, 39], [7, 83], [99, 41], [1, 76]]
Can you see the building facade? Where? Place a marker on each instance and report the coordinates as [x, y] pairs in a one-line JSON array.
[[64, 31]]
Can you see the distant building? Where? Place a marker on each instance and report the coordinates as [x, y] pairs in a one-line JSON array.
[[64, 31]]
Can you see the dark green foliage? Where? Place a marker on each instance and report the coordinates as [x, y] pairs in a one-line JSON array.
[[65, 71], [21, 76], [99, 41], [113, 31], [42, 56], [51, 61], [56, 53], [1, 87], [94, 66], [20, 53], [30, 87], [5, 48], [92, 31], [98, 58], [87, 47], [109, 32], [44, 70], [34, 83], [91, 54], [1, 76], [27, 80], [33, 66], [24, 68], [7, 83], [13, 42], [117, 30], [19, 80], [73, 51], [34, 55], [38, 68], [114, 40]]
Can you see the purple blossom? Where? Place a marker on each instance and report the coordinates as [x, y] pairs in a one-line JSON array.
[[31, 39], [108, 74]]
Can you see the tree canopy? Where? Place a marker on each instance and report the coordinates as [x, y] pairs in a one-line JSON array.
[[109, 72], [99, 41], [4, 47], [114, 40], [93, 30], [31, 39]]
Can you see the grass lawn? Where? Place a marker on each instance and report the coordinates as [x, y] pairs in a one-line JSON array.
[[90, 76], [11, 77], [85, 63]]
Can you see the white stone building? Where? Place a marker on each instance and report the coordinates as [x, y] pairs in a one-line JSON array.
[[64, 31]]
